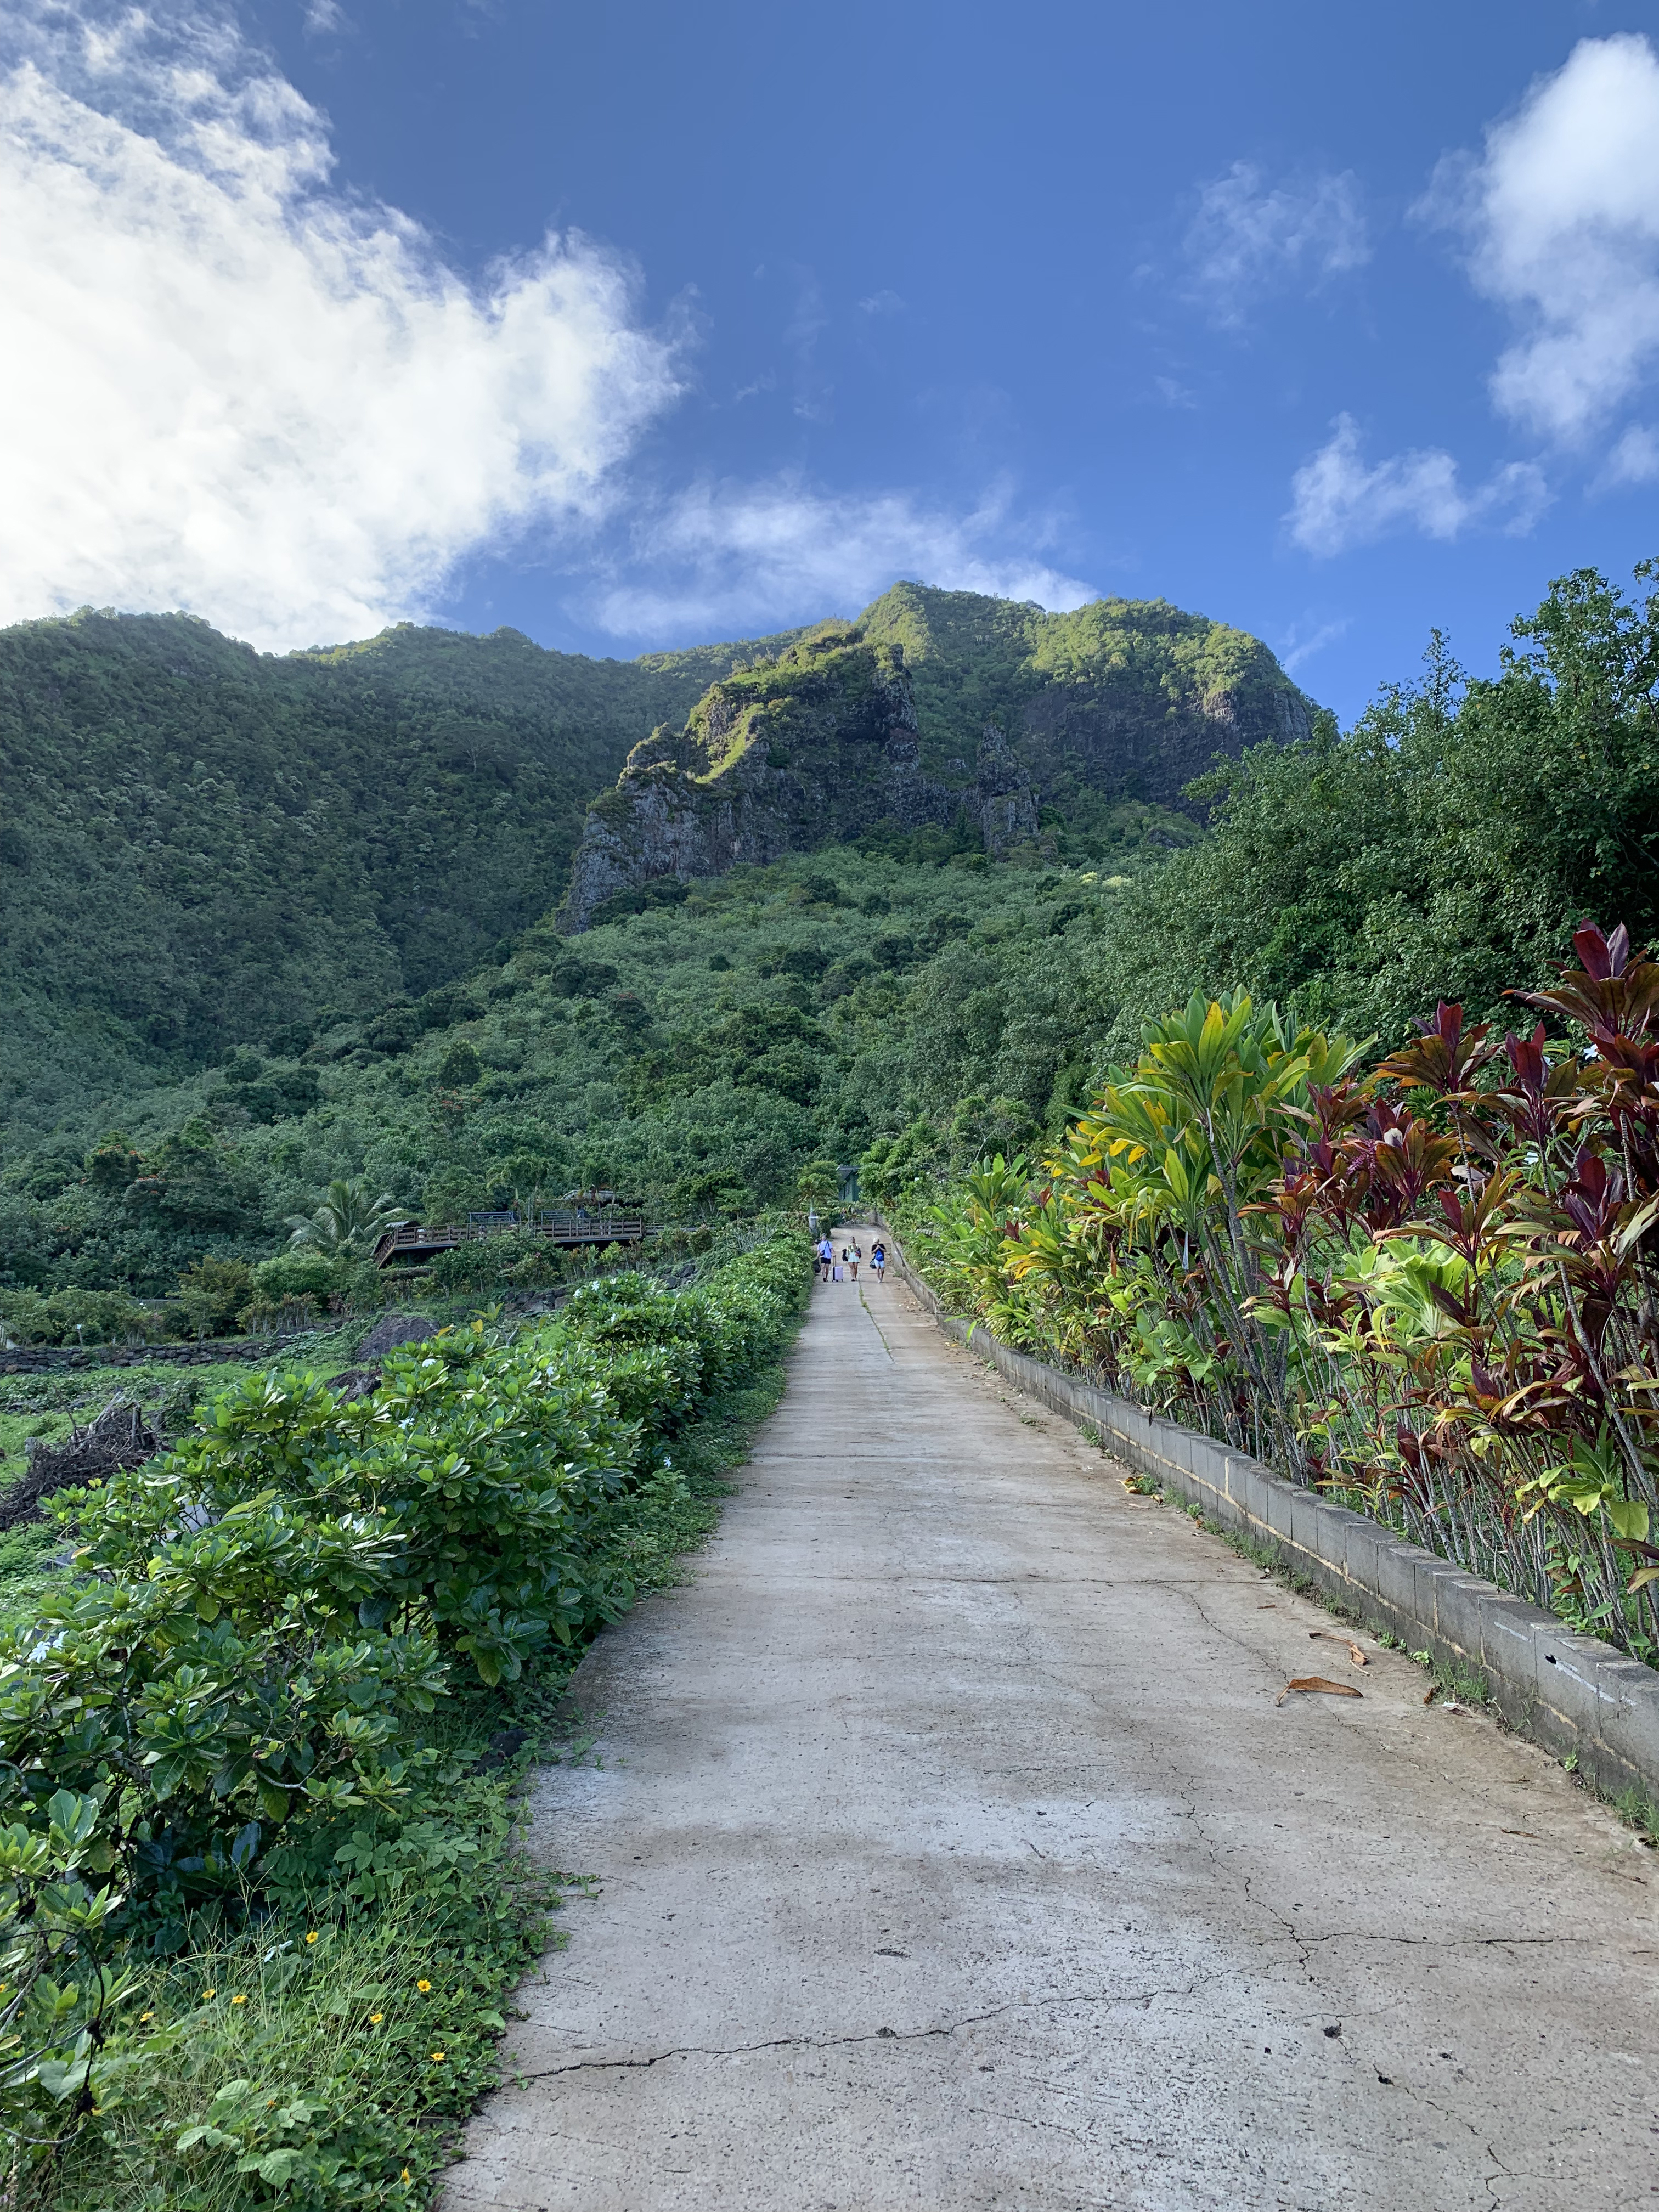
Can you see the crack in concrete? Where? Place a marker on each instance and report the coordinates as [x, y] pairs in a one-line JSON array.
[[1138, 1999]]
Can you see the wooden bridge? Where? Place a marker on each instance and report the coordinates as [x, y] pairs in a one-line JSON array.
[[565, 1225]]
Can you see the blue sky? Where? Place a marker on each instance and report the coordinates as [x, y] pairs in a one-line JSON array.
[[1332, 324]]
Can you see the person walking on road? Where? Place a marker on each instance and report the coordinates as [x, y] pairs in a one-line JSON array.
[[879, 1261]]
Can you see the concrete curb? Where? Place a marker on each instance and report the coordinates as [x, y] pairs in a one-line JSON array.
[[1575, 1695]]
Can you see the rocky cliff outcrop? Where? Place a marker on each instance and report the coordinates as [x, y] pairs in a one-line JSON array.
[[854, 725], [1122, 699], [813, 748]]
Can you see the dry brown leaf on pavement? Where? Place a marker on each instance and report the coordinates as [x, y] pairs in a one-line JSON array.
[[1347, 1643], [1316, 1683]]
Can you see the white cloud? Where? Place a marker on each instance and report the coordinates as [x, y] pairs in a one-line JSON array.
[[1561, 216], [1634, 460], [1248, 240], [227, 387], [228, 384], [1299, 649], [738, 556], [1338, 500]]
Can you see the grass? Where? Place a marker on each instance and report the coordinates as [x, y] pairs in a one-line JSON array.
[[30, 1558], [48, 1406], [351, 2031]]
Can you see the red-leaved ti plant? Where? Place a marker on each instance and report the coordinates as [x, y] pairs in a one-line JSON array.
[[1427, 1283]]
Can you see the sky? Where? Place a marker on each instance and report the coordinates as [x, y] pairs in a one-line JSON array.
[[639, 326]]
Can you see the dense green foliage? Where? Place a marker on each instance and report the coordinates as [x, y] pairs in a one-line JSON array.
[[253, 1712], [1177, 689], [242, 1719], [1429, 1287], [903, 1003], [203, 844], [1446, 846], [694, 1055]]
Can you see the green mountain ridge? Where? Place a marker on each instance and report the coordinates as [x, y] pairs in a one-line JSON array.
[[203, 846], [938, 710], [902, 999]]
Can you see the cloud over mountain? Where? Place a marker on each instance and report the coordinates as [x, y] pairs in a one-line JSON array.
[[724, 553], [232, 388]]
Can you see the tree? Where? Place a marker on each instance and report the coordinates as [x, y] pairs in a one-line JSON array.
[[460, 1067], [212, 1293], [819, 1185], [348, 1223]]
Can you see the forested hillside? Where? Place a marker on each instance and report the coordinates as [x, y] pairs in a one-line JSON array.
[[1444, 848], [201, 844], [901, 1001], [697, 1056]]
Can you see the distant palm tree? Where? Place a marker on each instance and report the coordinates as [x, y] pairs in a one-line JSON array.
[[348, 1223]]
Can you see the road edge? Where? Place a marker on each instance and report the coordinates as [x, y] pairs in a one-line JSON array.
[[1579, 1697]]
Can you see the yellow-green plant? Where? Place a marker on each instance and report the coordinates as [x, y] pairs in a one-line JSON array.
[[1432, 1287]]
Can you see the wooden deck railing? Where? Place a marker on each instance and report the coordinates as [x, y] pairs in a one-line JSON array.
[[564, 1226]]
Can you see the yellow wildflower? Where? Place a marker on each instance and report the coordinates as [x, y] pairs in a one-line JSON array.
[[423, 1987], [206, 1994], [437, 2058], [375, 2018], [239, 1998], [311, 1938]]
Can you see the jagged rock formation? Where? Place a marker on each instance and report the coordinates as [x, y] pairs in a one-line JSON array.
[[814, 747], [1122, 699], [1007, 807], [854, 725]]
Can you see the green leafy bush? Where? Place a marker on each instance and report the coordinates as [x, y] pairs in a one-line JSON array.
[[1424, 1282], [212, 1293], [239, 1710], [296, 1273], [474, 1267], [75, 1316]]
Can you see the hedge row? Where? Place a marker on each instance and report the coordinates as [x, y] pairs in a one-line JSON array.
[[246, 1686]]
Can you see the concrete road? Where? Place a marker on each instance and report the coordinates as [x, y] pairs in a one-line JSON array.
[[952, 1851]]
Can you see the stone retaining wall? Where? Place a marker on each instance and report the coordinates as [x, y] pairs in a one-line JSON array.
[[59, 1358], [1574, 1694]]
